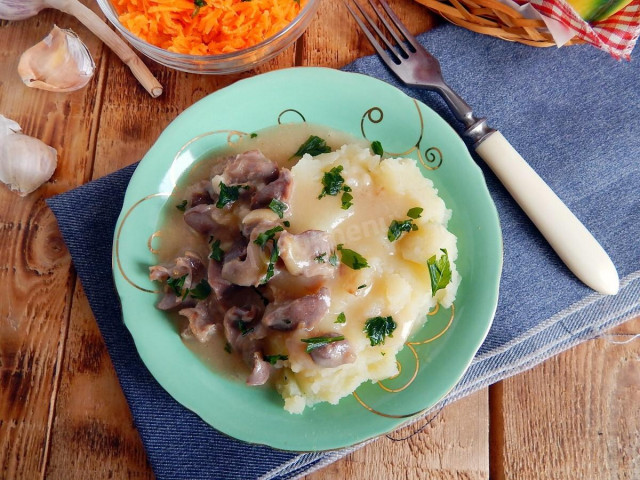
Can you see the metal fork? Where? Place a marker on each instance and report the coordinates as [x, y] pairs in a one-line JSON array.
[[416, 67]]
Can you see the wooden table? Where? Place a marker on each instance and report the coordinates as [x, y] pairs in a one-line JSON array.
[[62, 413]]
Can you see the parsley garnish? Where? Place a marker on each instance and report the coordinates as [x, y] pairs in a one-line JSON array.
[[177, 284], [201, 291], [320, 258], [439, 271], [278, 207], [341, 318], [317, 342], [242, 326], [198, 4], [346, 200], [415, 212], [264, 299], [396, 228], [332, 181], [376, 147], [378, 328], [364, 285], [286, 223], [352, 259], [333, 184], [272, 261], [216, 252], [228, 194], [182, 206], [333, 259], [313, 146], [253, 135], [261, 240], [267, 235], [272, 359]]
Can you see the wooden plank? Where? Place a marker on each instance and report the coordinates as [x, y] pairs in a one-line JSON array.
[[575, 416], [450, 445], [333, 39], [34, 263]]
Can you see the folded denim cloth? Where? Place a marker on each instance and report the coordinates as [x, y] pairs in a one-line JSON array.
[[572, 114]]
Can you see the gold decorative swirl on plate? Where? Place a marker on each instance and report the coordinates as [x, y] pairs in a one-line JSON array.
[[117, 241], [290, 110], [431, 159]]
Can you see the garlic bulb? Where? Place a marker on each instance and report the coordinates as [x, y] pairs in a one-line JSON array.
[[20, 9], [25, 162], [59, 63]]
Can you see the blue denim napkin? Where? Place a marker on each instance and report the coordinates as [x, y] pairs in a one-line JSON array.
[[571, 112]]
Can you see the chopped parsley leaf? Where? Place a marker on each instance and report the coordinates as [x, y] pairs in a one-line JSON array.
[[253, 135], [332, 181], [346, 200], [216, 252], [376, 147], [396, 228], [228, 194], [176, 284], [415, 212], [314, 145], [182, 206], [264, 299], [242, 327], [278, 207], [341, 318], [320, 258], [286, 223], [198, 4], [272, 359], [267, 235], [333, 259], [352, 259], [439, 271], [378, 328], [272, 262], [364, 285], [201, 291], [317, 342]]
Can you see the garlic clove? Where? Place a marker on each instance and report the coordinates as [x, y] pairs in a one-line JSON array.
[[59, 63], [25, 162], [20, 9]]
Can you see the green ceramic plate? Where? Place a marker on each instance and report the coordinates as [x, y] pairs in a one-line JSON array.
[[432, 363]]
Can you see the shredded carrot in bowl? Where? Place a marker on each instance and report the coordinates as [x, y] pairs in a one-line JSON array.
[[206, 27]]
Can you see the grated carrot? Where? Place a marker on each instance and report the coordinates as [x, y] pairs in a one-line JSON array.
[[221, 26]]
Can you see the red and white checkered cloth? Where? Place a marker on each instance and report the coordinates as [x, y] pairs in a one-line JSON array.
[[616, 35]]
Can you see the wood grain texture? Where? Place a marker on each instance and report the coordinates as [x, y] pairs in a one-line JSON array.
[[450, 444], [577, 415], [35, 266]]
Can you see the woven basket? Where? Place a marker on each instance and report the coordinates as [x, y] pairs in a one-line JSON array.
[[490, 17]]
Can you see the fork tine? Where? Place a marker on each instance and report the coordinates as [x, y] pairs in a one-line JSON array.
[[411, 40], [390, 59], [399, 43]]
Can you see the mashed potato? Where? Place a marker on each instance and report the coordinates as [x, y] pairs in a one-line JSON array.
[[397, 281]]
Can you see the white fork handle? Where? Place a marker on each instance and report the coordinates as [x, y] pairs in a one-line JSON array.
[[573, 243]]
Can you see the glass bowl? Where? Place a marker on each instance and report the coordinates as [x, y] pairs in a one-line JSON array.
[[226, 63]]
